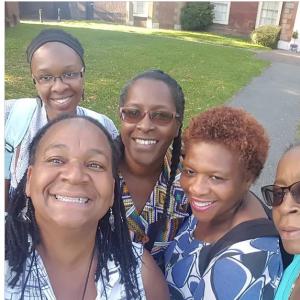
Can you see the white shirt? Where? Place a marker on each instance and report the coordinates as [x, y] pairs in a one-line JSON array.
[[39, 287], [39, 119]]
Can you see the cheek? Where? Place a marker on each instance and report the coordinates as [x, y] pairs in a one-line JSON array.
[[185, 183], [275, 215]]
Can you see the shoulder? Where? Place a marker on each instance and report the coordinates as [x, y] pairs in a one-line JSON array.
[[104, 120], [21, 103]]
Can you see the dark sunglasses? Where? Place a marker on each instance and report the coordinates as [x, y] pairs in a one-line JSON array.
[[135, 115], [274, 194]]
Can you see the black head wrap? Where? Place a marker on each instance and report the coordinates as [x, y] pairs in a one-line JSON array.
[[54, 35]]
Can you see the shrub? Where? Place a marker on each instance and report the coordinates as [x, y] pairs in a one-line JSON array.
[[196, 15], [295, 35], [266, 35]]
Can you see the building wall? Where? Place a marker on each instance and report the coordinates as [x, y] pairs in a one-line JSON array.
[[12, 14], [111, 11], [167, 14], [30, 10], [242, 18], [287, 20]]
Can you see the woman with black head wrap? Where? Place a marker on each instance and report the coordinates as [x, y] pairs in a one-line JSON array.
[[56, 60]]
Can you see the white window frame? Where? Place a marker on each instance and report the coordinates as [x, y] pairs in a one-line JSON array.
[[260, 9], [136, 13], [225, 22]]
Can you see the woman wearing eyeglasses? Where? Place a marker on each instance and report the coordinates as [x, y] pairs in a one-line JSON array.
[[151, 112], [228, 249], [284, 197], [57, 69]]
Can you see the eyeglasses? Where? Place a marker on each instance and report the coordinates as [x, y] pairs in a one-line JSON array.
[[274, 194], [135, 115], [68, 78]]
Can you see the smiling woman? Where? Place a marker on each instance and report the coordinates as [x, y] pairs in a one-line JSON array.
[[57, 69], [66, 230], [284, 197], [228, 249], [151, 113]]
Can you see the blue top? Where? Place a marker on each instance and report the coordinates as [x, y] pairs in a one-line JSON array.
[[289, 278], [250, 269]]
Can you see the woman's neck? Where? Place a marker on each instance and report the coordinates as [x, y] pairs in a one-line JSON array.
[[128, 166], [66, 247]]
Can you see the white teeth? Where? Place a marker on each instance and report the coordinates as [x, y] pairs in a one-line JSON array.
[[145, 142], [202, 204], [61, 100], [71, 199]]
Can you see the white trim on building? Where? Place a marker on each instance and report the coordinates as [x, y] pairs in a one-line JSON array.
[[268, 13], [221, 12]]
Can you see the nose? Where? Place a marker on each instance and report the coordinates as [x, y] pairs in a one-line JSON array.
[[145, 124], [74, 173], [199, 186], [58, 84]]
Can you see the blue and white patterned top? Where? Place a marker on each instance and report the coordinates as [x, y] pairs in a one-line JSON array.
[[246, 270], [38, 286]]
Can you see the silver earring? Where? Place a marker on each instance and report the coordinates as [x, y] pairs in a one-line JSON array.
[[111, 220], [23, 215]]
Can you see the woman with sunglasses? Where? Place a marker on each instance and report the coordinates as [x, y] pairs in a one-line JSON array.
[[228, 249], [57, 68], [151, 112], [284, 197]]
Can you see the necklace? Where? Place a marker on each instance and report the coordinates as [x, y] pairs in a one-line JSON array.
[[88, 275]]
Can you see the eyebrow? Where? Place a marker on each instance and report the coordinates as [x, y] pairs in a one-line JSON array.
[[63, 146]]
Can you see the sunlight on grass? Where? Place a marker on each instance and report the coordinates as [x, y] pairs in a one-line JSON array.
[[200, 37], [209, 73]]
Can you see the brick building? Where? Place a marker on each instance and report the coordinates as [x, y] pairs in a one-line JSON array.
[[237, 18]]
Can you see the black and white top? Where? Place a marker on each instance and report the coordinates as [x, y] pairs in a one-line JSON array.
[[38, 286]]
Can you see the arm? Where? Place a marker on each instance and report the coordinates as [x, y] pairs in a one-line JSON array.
[[153, 280], [6, 195]]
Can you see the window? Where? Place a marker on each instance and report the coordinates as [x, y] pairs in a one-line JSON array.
[[268, 13], [221, 11], [140, 9]]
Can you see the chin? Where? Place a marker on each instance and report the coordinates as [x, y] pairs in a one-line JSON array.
[[292, 247]]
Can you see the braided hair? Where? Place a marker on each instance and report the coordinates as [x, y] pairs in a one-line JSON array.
[[21, 239], [179, 101]]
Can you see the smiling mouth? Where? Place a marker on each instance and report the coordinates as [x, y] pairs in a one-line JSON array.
[[61, 100], [202, 203], [145, 141], [79, 200]]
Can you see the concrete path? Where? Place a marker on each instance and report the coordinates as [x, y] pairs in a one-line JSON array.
[[274, 99]]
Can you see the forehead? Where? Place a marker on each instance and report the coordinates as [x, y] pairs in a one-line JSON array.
[[205, 154], [52, 52], [289, 163], [76, 135], [150, 93]]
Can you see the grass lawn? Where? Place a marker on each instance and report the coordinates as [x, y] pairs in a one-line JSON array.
[[209, 72]]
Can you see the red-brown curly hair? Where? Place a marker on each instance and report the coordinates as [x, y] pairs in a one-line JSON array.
[[237, 130]]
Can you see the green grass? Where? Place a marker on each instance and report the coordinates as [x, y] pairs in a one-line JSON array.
[[209, 72]]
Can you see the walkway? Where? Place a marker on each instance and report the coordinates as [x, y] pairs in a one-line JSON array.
[[274, 99]]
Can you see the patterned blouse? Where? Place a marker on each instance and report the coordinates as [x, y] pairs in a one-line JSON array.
[[38, 286], [153, 209], [250, 269]]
